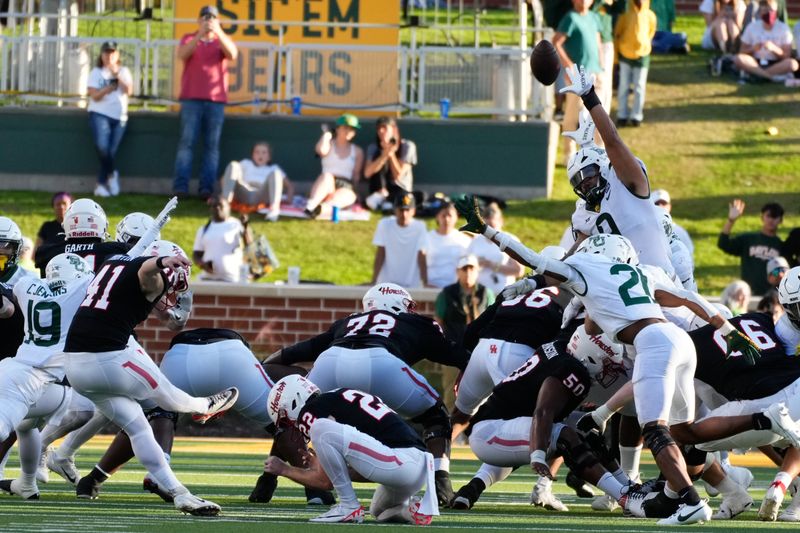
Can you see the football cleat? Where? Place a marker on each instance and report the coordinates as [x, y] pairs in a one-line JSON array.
[[467, 495], [218, 404], [655, 484], [742, 476], [604, 502], [542, 496], [581, 488], [632, 502], [782, 423], [660, 505], [88, 488], [190, 504], [341, 513], [444, 488], [15, 488], [733, 505], [42, 473], [150, 485], [688, 514], [64, 467], [264, 489], [791, 513], [413, 516], [319, 497], [772, 503]]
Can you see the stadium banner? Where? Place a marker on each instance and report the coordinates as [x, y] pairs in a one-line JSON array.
[[319, 76]]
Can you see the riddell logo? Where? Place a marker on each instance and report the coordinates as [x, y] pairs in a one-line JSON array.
[[603, 346], [75, 234], [277, 399], [389, 290]]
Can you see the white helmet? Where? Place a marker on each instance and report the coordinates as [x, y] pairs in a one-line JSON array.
[[388, 297], [553, 252], [65, 268], [615, 247], [697, 322], [598, 353], [789, 295], [85, 218], [179, 279], [287, 398], [131, 228], [10, 243], [589, 161]]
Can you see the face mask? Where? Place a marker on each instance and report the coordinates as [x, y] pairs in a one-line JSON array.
[[769, 17]]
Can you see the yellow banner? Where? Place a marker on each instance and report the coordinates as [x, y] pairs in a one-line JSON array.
[[319, 76]]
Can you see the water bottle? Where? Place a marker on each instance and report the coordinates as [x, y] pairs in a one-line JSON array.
[[444, 107], [297, 104], [335, 214]]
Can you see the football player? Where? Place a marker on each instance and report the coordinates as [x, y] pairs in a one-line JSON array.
[[102, 365], [373, 351], [355, 435], [624, 299], [133, 226]]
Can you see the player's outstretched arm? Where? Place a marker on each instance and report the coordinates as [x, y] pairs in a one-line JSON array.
[[627, 167], [151, 234]]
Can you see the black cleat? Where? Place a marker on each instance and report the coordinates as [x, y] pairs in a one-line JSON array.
[[14, 487], [264, 489], [150, 485], [581, 488], [444, 488], [467, 495], [661, 506], [319, 497], [87, 488]]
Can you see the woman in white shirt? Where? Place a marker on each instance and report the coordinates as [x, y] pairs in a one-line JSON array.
[[446, 245], [109, 86]]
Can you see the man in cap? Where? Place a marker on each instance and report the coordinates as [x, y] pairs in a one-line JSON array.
[[402, 243], [662, 199]]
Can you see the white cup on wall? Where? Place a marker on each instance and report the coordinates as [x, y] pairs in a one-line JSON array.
[[293, 275]]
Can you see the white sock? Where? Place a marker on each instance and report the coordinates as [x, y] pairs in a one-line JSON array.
[[441, 463], [608, 484], [728, 486], [621, 476], [629, 457], [490, 474], [783, 480], [669, 493], [544, 482]]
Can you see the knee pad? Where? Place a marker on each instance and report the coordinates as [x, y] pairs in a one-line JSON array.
[[435, 423], [158, 412], [693, 456], [576, 452], [657, 437]]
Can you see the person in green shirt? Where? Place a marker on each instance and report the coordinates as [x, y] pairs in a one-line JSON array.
[[754, 248]]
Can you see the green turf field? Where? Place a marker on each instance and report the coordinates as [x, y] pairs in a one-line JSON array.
[[225, 470]]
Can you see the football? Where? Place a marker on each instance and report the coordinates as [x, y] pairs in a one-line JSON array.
[[545, 64]]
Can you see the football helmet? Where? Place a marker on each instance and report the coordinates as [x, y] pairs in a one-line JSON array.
[[178, 279], [287, 398], [598, 354], [586, 163], [65, 268], [697, 322], [10, 243], [615, 247], [388, 297], [789, 295], [131, 228], [85, 219]]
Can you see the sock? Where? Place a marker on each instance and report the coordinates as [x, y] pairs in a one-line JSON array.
[[669, 493], [760, 421], [689, 495], [4, 460], [728, 486], [620, 476], [167, 457], [608, 484], [441, 463], [782, 480], [490, 474], [544, 482], [629, 460]]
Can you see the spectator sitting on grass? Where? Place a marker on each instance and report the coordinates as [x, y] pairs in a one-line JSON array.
[[218, 244], [390, 162], [724, 23], [665, 41], [256, 184], [766, 50], [52, 231]]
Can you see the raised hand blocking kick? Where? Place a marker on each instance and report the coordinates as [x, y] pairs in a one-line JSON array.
[[467, 206]]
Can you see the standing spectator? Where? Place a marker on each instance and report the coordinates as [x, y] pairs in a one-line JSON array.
[[342, 163], [606, 12], [662, 199], [390, 162], [497, 268], [402, 244], [633, 35], [256, 183], [446, 245], [791, 248], [577, 41], [218, 244], [52, 231], [204, 93], [736, 296], [462, 302], [777, 267], [755, 248], [766, 49], [109, 86]]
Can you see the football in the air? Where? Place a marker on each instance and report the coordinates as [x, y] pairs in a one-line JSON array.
[[545, 64]]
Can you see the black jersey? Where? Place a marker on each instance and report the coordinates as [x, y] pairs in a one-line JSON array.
[[12, 329], [114, 305], [92, 250], [407, 336], [363, 411], [733, 377], [531, 319], [517, 394]]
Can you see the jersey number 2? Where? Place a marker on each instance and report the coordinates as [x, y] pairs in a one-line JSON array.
[[102, 279], [367, 402]]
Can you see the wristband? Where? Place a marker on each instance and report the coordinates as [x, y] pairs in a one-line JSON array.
[[726, 328], [590, 99], [602, 414], [538, 456], [160, 263]]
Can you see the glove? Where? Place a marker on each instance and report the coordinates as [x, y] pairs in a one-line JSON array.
[[523, 286], [582, 81], [584, 135], [467, 206], [739, 342], [595, 421]]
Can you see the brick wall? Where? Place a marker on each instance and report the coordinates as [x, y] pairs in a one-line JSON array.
[[268, 316]]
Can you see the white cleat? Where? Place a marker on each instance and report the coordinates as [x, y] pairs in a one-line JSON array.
[[768, 511], [733, 505], [688, 514], [42, 473], [790, 514], [341, 513], [742, 476], [542, 496], [64, 467], [604, 502], [190, 504], [218, 404], [15, 487], [782, 423]]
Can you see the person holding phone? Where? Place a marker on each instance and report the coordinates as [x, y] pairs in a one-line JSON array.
[[390, 162], [109, 86]]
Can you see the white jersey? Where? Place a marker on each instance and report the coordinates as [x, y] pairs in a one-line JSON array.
[[635, 217], [18, 274], [683, 263], [615, 294], [788, 334], [48, 315], [680, 316]]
